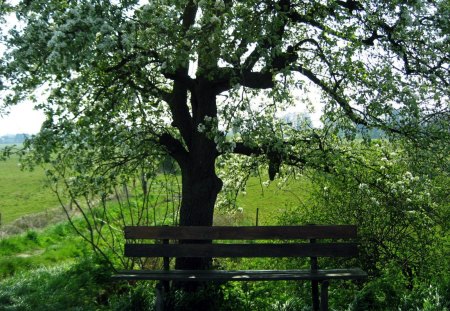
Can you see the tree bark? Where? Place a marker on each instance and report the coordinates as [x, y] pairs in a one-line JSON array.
[[199, 192], [199, 196], [200, 184]]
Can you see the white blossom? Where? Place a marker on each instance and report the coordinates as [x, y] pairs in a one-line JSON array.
[[214, 20], [363, 186], [408, 175], [201, 128]]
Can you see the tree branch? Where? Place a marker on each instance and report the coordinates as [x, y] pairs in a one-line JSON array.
[[174, 147], [131, 57], [244, 149], [331, 92], [178, 99]]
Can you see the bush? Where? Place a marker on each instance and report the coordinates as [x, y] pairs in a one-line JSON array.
[[433, 297], [401, 215], [387, 293], [139, 296]]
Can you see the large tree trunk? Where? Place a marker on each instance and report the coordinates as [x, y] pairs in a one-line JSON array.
[[199, 195], [197, 209], [200, 187]]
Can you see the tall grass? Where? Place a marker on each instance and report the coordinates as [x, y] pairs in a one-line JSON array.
[[56, 244], [82, 286]]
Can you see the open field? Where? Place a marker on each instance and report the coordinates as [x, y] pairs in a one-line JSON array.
[[22, 192], [272, 200]]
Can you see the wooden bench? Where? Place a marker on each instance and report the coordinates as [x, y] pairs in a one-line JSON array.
[[264, 241]]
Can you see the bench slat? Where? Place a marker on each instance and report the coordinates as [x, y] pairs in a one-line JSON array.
[[241, 233], [244, 275], [242, 250]]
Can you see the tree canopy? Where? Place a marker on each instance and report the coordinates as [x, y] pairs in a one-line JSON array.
[[125, 81]]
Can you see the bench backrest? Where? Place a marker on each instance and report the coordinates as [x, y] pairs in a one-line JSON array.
[[264, 241]]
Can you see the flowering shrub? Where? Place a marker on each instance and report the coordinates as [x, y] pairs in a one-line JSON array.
[[398, 203]]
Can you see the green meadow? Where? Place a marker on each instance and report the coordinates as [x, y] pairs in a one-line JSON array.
[[23, 192], [272, 200], [24, 197]]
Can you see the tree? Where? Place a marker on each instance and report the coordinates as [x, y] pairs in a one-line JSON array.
[[126, 81]]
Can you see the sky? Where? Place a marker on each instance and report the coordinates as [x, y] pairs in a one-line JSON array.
[[21, 119]]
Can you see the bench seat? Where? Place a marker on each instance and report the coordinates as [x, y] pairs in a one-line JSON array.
[[242, 275]]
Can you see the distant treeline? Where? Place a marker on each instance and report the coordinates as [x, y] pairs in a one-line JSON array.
[[13, 139]]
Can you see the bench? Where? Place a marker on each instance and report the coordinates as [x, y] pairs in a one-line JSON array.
[[237, 242]]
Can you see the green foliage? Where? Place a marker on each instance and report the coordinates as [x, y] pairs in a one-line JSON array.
[[204, 298], [399, 213], [237, 296], [100, 213], [82, 286], [139, 296], [427, 298], [382, 293], [388, 292]]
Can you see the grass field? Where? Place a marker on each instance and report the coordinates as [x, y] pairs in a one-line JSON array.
[[22, 192], [272, 200]]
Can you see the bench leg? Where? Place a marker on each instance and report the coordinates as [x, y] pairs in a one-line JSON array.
[[324, 295], [159, 296], [315, 295]]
